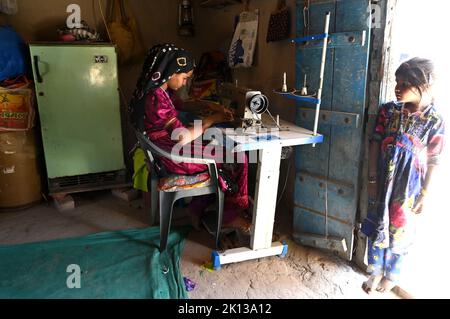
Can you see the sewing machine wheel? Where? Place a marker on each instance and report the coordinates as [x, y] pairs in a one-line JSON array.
[[258, 103]]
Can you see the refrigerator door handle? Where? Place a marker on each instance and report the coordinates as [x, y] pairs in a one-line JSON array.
[[36, 68]]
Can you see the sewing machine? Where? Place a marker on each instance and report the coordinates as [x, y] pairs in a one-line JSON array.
[[266, 149], [264, 138], [249, 105]]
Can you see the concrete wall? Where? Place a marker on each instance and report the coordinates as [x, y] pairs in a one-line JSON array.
[[157, 22], [271, 59], [38, 20], [2, 18]]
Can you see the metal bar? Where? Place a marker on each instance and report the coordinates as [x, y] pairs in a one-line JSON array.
[[333, 218], [333, 243], [339, 40], [322, 72], [343, 119], [310, 38], [242, 254]]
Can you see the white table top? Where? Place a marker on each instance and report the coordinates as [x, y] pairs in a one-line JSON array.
[[289, 135]]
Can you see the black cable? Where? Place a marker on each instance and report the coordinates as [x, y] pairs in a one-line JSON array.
[[285, 184]]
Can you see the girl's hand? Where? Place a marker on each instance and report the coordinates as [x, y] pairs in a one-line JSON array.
[[221, 117], [217, 118], [417, 209], [229, 112], [218, 108]]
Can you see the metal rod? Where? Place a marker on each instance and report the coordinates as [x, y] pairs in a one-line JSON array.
[[276, 122], [322, 72], [309, 38]]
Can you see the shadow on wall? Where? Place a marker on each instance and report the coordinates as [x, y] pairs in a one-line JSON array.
[[47, 30], [3, 19]]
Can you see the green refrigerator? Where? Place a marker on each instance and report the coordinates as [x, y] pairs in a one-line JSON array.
[[79, 108]]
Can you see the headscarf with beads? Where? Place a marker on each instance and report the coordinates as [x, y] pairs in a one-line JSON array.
[[161, 63]]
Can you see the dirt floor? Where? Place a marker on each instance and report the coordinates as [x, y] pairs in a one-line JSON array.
[[303, 273]]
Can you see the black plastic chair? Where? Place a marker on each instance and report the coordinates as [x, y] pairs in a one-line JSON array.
[[167, 199]]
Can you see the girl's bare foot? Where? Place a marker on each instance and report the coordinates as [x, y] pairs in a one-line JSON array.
[[385, 285], [369, 285], [367, 289]]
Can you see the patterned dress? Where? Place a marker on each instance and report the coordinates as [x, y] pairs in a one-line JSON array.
[[161, 118], [410, 142]]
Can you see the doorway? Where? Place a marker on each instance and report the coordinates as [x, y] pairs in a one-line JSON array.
[[418, 30]]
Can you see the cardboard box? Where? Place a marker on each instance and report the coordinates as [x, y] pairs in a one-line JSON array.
[[20, 178]]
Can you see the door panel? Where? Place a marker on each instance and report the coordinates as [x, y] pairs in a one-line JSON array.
[[327, 183], [312, 190]]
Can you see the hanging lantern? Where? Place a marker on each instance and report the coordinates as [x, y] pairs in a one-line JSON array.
[[186, 19]]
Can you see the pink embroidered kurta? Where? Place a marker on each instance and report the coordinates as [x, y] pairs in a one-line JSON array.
[[161, 118]]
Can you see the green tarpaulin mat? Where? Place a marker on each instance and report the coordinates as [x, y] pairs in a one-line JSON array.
[[121, 264]]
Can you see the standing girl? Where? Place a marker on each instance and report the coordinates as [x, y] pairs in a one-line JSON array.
[[404, 150]]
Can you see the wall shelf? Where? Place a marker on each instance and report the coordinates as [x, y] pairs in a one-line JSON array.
[[293, 96]]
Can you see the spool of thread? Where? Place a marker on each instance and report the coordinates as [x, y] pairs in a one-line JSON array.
[[284, 88], [304, 90]]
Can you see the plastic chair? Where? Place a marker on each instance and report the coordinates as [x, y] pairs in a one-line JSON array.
[[167, 199]]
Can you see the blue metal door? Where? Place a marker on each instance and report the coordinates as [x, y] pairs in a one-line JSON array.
[[327, 176]]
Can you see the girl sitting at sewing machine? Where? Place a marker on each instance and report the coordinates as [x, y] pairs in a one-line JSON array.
[[167, 68]]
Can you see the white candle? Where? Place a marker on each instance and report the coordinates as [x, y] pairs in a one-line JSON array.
[[284, 78]]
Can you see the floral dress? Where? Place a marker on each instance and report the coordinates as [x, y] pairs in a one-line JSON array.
[[410, 142]]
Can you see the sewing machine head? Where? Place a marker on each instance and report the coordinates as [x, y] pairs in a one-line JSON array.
[[247, 104]]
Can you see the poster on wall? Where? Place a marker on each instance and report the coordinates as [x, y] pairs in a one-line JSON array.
[[245, 36]]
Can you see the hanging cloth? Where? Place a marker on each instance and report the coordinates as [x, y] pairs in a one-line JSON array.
[[123, 31], [279, 23]]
